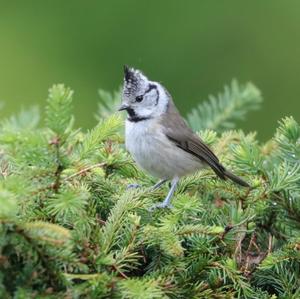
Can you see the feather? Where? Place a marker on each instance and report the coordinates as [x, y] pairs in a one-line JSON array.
[[180, 134]]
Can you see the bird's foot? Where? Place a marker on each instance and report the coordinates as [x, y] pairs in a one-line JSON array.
[[161, 205], [133, 186]]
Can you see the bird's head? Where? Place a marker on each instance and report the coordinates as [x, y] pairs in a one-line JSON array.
[[142, 98]]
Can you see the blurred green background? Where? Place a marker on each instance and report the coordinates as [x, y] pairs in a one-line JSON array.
[[193, 47]]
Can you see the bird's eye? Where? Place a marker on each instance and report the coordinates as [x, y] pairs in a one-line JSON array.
[[139, 99]]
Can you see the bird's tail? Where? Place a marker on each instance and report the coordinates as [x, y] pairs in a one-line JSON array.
[[224, 174], [235, 178]]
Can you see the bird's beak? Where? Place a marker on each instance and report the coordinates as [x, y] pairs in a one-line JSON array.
[[123, 107]]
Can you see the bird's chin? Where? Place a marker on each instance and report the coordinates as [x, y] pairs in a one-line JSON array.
[[131, 112]]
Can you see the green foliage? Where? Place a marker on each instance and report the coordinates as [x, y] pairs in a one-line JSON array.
[[220, 113], [288, 140], [59, 110], [104, 130], [109, 103], [69, 227]]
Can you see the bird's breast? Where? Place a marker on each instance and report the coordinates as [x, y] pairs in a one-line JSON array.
[[142, 139], [155, 153]]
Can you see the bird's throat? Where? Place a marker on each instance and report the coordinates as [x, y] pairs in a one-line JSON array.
[[133, 117]]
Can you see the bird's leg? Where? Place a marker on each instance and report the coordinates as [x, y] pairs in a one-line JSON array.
[[167, 202], [158, 184]]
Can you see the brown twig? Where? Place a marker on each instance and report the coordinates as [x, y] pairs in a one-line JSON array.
[[56, 142], [119, 271], [238, 249], [252, 241], [83, 171], [270, 243], [227, 229]]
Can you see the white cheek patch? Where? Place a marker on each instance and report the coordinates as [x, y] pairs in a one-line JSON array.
[[155, 103], [151, 95]]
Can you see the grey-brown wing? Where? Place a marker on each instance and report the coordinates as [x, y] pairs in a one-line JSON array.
[[192, 144], [178, 132]]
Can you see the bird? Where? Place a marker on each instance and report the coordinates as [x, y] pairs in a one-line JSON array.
[[159, 139]]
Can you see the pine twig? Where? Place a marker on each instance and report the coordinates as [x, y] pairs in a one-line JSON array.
[[82, 171], [56, 142]]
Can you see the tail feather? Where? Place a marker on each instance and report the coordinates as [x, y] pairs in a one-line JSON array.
[[223, 173], [235, 178]]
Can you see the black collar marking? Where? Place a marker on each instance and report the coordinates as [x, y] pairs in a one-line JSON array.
[[133, 117], [138, 119]]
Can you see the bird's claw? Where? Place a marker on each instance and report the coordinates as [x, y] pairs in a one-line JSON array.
[[133, 186], [161, 205]]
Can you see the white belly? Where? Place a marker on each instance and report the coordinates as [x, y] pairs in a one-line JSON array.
[[155, 153]]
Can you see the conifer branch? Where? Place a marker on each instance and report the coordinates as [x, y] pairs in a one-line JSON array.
[[69, 227], [219, 113]]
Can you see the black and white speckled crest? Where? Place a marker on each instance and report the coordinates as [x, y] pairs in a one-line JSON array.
[[132, 80]]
